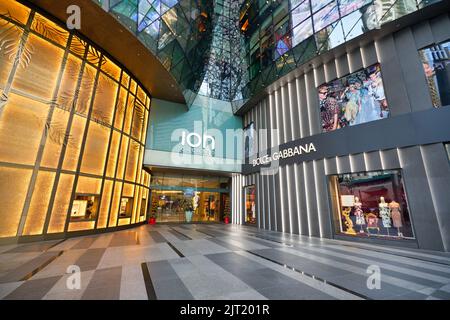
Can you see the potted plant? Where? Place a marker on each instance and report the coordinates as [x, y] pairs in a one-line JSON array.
[[152, 219], [226, 217]]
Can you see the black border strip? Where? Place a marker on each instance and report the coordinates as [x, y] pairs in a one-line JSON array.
[[151, 294], [311, 276], [181, 233], [205, 233], [42, 266], [175, 249]]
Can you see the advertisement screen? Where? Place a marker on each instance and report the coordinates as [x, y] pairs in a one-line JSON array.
[[353, 99], [348, 6], [301, 29], [326, 16], [436, 66]]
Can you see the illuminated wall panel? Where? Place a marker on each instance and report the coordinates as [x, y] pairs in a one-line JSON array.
[[16, 181], [40, 199], [69, 119]]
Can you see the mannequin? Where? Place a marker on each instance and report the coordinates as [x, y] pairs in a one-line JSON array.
[[360, 221], [385, 214], [396, 216]]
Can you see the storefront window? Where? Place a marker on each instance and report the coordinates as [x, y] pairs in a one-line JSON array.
[[169, 205], [353, 99], [250, 208], [143, 207], [371, 204], [436, 65], [84, 207], [126, 206]]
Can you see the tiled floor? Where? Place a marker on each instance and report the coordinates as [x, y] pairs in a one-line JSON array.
[[217, 261]]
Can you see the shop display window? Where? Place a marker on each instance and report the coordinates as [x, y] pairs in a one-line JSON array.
[[371, 204], [353, 99], [250, 204], [170, 205], [84, 207], [143, 207], [126, 207], [436, 66]]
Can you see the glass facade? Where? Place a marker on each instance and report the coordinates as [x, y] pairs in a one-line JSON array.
[[177, 32], [371, 204], [282, 35], [232, 49], [72, 130]]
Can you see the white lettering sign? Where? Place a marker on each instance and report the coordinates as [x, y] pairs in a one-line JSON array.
[[194, 140], [285, 153]]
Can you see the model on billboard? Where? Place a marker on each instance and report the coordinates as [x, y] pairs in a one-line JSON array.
[[354, 99]]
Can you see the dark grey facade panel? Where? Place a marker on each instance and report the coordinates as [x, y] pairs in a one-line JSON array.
[[278, 206], [263, 141], [313, 104], [274, 141], [369, 54], [311, 200], [320, 75], [343, 164], [423, 35], [355, 62], [330, 70], [273, 207], [412, 70], [323, 207], [284, 199], [301, 198], [292, 199], [373, 161], [440, 27], [267, 208], [420, 201], [303, 106], [342, 67], [357, 162], [438, 175], [286, 115], [389, 159], [393, 80], [331, 166], [417, 128], [293, 110], [279, 116]]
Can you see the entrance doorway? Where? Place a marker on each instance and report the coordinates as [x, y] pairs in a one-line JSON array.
[[167, 206]]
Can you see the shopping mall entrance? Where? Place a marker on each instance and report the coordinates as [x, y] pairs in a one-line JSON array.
[[185, 198]]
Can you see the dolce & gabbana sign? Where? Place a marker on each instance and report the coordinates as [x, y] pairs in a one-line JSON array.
[[284, 154]]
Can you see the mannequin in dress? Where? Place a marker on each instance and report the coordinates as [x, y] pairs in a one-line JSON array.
[[396, 216], [385, 214], [359, 214]]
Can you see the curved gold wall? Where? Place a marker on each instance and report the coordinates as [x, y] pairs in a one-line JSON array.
[[72, 131]]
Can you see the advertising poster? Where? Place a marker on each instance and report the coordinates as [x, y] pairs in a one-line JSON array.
[[353, 99]]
